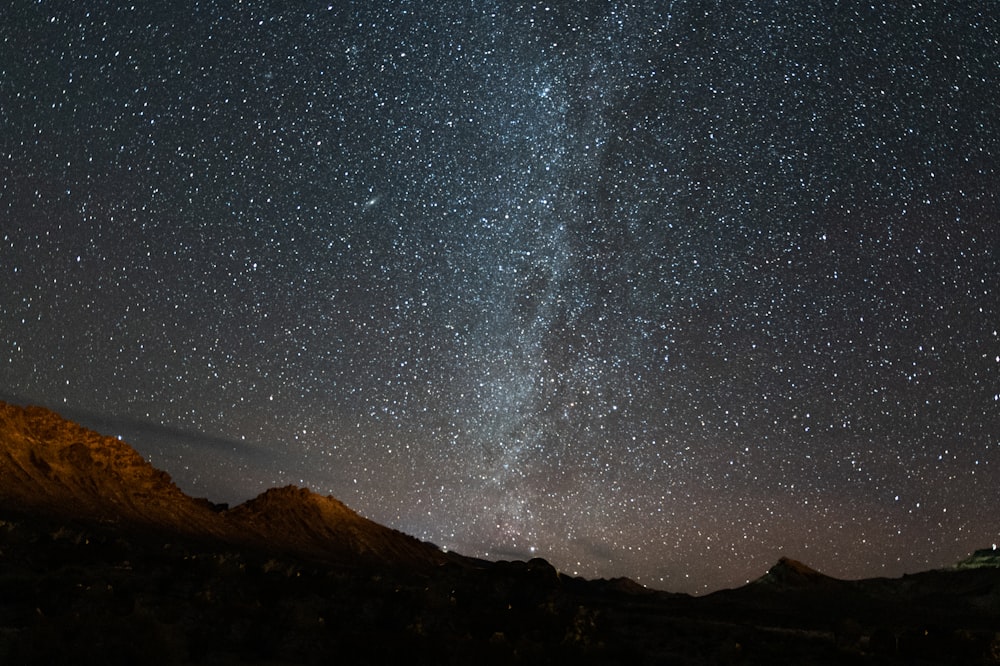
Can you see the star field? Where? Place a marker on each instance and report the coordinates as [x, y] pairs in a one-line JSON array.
[[664, 290]]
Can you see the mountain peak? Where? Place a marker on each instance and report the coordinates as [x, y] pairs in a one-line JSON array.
[[325, 527], [795, 566], [292, 496], [790, 573], [51, 465]]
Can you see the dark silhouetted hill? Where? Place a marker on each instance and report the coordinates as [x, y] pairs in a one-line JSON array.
[[789, 574], [104, 560]]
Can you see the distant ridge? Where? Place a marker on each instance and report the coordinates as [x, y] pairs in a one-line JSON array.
[[104, 556], [54, 466], [983, 558], [789, 573]]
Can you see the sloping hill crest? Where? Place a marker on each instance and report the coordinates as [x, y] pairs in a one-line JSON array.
[[307, 522], [51, 465], [56, 466], [792, 574]]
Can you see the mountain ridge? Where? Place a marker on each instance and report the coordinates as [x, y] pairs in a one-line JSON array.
[[55, 466], [98, 547]]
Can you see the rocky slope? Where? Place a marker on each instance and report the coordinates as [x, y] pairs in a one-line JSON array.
[[298, 521], [54, 466]]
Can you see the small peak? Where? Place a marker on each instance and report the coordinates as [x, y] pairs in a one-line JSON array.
[[788, 564], [790, 573], [290, 490]]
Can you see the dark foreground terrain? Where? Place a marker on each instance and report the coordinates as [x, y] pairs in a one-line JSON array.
[[97, 568]]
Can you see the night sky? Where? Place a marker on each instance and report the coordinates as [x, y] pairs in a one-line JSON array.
[[656, 289]]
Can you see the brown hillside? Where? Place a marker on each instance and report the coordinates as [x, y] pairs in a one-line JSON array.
[[54, 466], [324, 527]]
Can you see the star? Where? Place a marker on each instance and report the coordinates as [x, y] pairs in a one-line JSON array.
[[662, 293]]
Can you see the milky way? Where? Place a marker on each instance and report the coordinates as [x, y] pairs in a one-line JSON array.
[[665, 290]]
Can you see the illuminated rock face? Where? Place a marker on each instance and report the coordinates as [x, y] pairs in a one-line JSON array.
[[300, 521], [50, 464], [55, 466]]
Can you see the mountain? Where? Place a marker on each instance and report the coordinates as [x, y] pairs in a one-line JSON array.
[[793, 593], [298, 521], [61, 469], [103, 559], [792, 574], [54, 466]]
